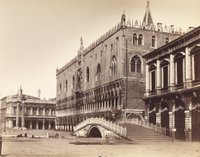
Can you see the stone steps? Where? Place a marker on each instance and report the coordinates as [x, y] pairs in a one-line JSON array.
[[141, 134]]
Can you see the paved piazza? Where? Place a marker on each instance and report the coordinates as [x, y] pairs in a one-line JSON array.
[[66, 147]]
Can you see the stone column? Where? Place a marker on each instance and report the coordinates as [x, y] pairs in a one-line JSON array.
[[37, 111], [171, 73], [31, 112], [17, 115], [37, 124], [147, 81], [146, 112], [31, 124], [187, 125], [43, 111], [187, 68], [43, 124], [50, 114], [158, 76], [49, 124], [172, 118], [23, 115]]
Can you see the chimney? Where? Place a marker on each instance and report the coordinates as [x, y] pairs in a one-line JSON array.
[[172, 28], [159, 27]]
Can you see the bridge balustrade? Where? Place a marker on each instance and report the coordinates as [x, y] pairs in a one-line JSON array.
[[144, 124], [114, 127]]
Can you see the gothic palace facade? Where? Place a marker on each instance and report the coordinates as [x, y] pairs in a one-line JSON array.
[[107, 79], [172, 95], [22, 111]]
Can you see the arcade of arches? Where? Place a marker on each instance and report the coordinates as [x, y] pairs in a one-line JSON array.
[[105, 101], [178, 112]]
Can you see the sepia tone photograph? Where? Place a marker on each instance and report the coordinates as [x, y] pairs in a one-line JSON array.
[[107, 78]]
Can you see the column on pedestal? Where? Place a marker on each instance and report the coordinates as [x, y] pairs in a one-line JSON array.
[[187, 68], [43, 124], [31, 112], [147, 81], [43, 111], [171, 72], [17, 115], [158, 76], [31, 124], [37, 124], [23, 114], [49, 124]]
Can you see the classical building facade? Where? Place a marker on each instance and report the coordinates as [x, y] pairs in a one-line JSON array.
[[107, 79], [172, 95], [24, 111]]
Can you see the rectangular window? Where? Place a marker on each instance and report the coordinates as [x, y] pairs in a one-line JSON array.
[[179, 72], [197, 66], [153, 81], [165, 77]]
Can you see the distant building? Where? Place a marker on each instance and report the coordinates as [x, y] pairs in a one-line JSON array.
[[172, 95], [107, 79], [24, 111]]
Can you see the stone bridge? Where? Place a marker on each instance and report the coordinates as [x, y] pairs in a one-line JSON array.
[[99, 127]]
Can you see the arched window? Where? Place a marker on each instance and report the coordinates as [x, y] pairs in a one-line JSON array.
[[153, 44], [87, 74], [98, 68], [136, 64], [113, 66], [134, 39], [166, 40], [140, 40], [73, 82], [66, 85], [98, 72]]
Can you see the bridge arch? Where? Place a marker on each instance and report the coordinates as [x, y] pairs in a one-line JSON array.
[[94, 131]]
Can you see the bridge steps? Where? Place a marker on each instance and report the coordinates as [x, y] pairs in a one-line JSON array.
[[141, 134]]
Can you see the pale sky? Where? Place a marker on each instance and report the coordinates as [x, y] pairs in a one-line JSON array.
[[37, 36]]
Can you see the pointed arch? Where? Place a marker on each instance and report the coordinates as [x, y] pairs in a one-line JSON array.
[[136, 64], [113, 66], [87, 74], [140, 39], [135, 39], [153, 41]]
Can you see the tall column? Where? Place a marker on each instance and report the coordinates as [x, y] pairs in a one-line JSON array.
[[37, 124], [23, 116], [50, 112], [43, 124], [49, 124], [31, 124], [43, 111], [158, 119], [171, 71], [37, 112], [147, 80], [187, 125], [187, 68], [158, 76], [146, 112], [31, 112], [17, 115]]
